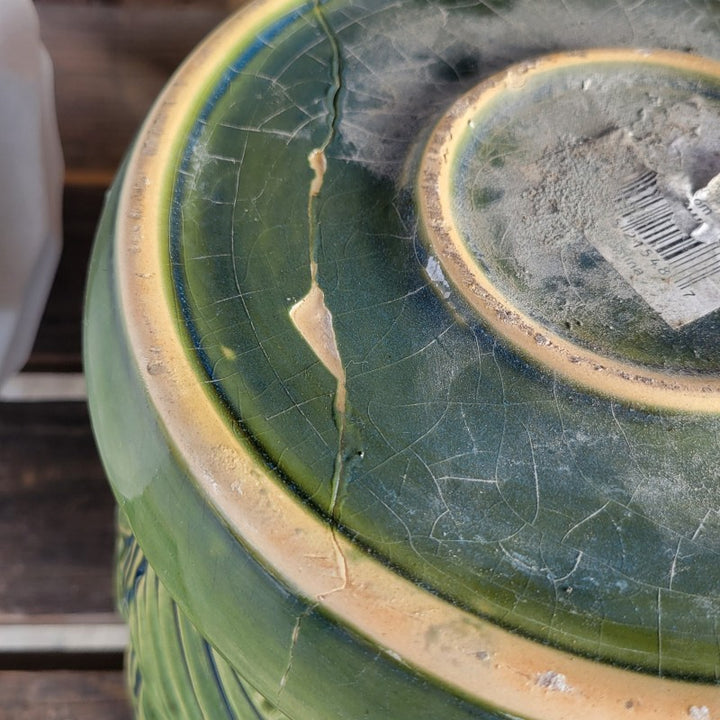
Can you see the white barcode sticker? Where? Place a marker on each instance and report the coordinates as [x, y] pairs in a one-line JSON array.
[[672, 262]]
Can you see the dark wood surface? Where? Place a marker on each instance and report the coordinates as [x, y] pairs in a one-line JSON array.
[[62, 695], [56, 512], [111, 59], [58, 344]]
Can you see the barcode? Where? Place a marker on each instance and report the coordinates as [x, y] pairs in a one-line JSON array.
[[647, 216]]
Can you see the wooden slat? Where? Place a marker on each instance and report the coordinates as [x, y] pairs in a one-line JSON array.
[[44, 387], [63, 695], [95, 641], [97, 633], [56, 512]]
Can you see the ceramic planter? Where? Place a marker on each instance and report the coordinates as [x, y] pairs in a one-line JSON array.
[[402, 351]]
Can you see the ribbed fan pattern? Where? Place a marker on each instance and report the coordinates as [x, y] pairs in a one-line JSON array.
[[172, 671]]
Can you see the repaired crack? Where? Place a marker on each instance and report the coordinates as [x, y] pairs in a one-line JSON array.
[[310, 315]]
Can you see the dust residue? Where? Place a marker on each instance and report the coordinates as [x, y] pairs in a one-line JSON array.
[[406, 65], [700, 712], [553, 681], [565, 191], [544, 202]]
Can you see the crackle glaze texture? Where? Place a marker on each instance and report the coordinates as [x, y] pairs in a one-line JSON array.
[[356, 382]]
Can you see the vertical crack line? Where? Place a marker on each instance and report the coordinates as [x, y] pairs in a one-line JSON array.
[[310, 315], [341, 566], [318, 158], [536, 479], [293, 644], [336, 72]]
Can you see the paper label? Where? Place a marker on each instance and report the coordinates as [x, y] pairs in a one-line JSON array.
[[675, 269]]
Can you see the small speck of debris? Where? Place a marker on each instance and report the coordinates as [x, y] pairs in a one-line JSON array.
[[554, 681], [156, 368], [699, 713], [482, 655], [436, 275], [630, 704], [228, 353]]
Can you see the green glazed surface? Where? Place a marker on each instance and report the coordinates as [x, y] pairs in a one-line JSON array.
[[172, 671], [249, 616], [569, 518]]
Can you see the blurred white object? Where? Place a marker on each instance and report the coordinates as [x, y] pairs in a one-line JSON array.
[[31, 175]]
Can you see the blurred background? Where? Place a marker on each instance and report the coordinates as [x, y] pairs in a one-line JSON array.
[[61, 642]]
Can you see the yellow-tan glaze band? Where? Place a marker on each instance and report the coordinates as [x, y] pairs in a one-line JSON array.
[[605, 376], [478, 659]]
